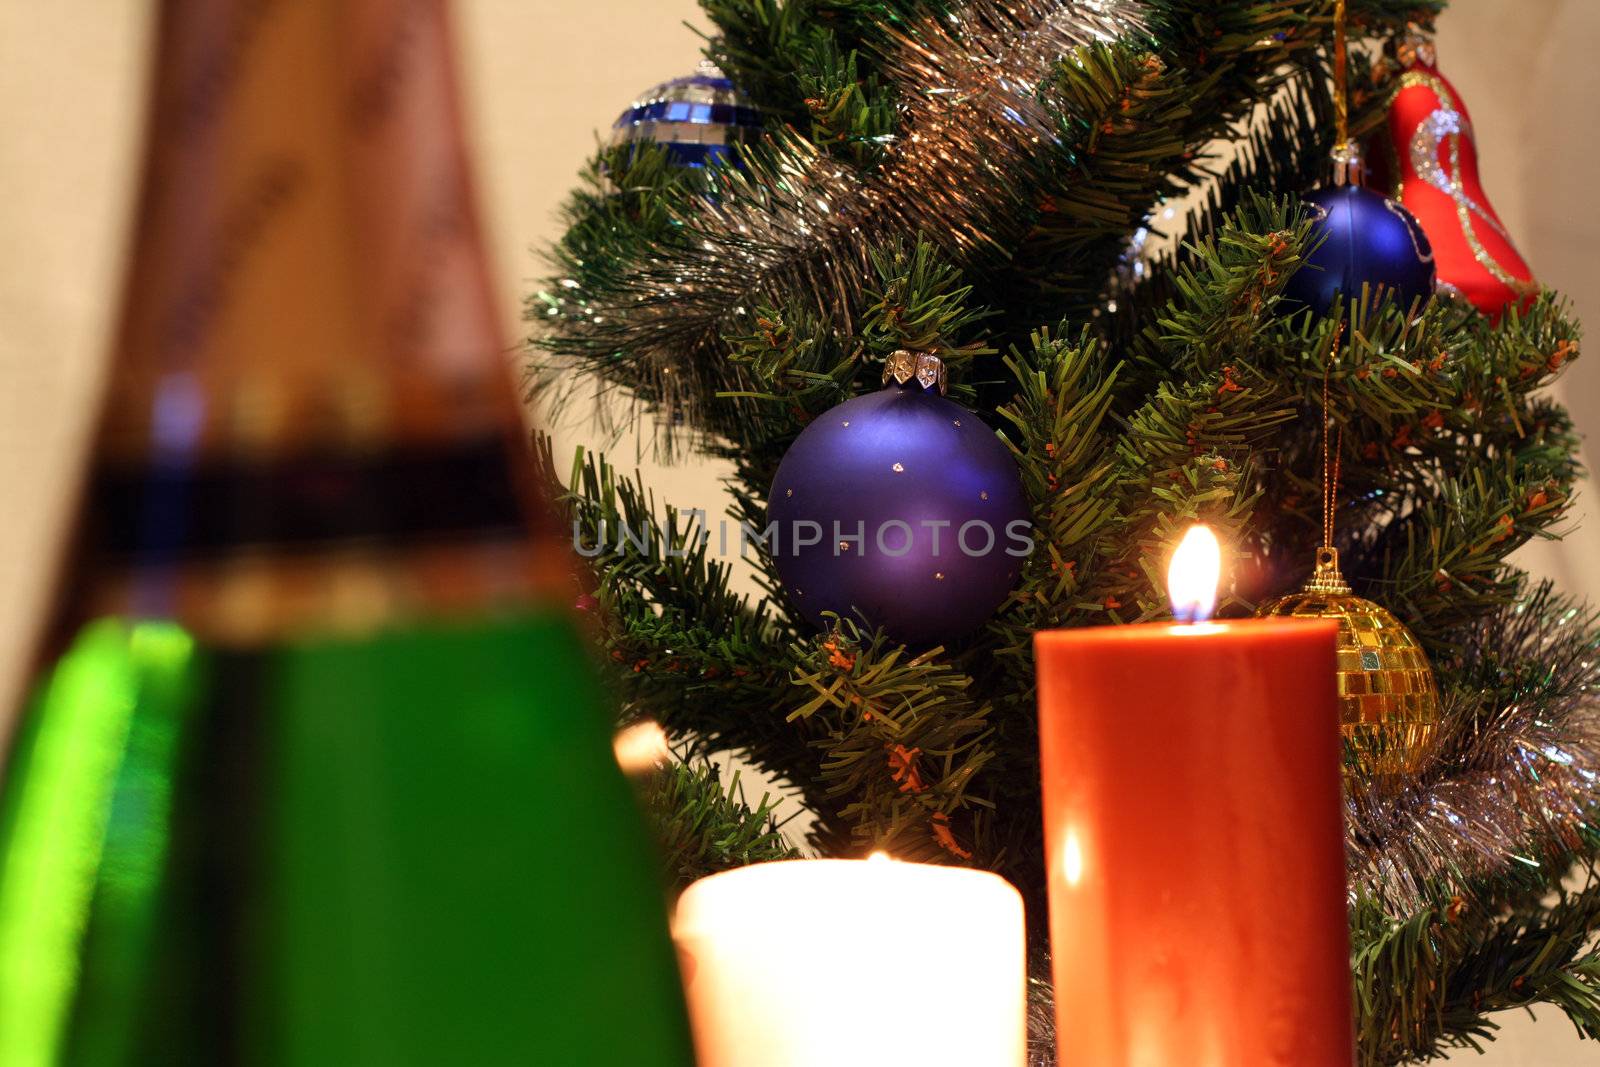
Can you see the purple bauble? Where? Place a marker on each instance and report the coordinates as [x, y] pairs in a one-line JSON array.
[[1366, 239], [903, 510]]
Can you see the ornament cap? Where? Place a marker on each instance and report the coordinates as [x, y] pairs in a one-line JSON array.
[[1348, 166], [926, 369], [1416, 47], [1327, 578]]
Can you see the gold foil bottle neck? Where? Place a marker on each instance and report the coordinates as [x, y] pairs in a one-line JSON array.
[[310, 418], [307, 259]]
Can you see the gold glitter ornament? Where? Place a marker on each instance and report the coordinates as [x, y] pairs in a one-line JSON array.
[[1388, 699]]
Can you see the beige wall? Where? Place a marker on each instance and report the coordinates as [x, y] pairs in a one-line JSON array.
[[70, 81], [543, 75]]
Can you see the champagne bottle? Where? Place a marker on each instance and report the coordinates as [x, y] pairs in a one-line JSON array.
[[320, 777]]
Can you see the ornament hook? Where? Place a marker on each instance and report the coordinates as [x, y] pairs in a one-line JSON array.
[[1327, 577], [1347, 166], [1341, 99]]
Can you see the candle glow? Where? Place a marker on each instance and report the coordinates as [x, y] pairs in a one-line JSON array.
[[1193, 574], [641, 748]]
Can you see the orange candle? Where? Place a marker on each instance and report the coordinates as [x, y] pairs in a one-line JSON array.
[[1194, 838]]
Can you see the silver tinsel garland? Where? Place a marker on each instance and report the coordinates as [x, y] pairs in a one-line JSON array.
[[797, 225], [1512, 778]]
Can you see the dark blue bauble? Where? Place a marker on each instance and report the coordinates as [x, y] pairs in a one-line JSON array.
[[700, 119], [892, 466], [1367, 239]]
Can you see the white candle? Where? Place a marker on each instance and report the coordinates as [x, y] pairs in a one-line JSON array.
[[816, 963]]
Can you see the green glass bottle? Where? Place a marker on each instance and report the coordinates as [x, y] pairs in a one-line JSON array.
[[319, 775]]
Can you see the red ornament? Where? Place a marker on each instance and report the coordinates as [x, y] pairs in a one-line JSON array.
[[1436, 167]]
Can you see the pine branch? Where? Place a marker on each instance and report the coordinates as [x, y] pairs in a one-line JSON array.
[[702, 828], [1284, 150], [1431, 981], [680, 646], [1186, 453], [852, 112], [623, 209], [903, 748], [784, 54], [1065, 392], [918, 301], [795, 221], [1136, 127]]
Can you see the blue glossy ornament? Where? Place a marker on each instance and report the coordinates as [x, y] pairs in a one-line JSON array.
[[899, 509], [1366, 239], [700, 119]]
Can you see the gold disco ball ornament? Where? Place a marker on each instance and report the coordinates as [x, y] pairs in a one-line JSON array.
[[1388, 699]]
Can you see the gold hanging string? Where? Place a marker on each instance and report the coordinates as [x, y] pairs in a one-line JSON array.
[[1332, 450], [1341, 151], [1341, 106]]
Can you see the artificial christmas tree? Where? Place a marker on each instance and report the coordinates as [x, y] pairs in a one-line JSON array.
[[969, 178]]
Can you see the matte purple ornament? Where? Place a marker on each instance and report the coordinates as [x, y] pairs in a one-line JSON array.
[[899, 509], [1366, 239]]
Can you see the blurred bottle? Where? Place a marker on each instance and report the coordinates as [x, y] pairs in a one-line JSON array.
[[320, 776]]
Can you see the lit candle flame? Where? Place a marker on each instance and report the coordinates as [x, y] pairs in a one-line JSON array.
[[879, 856], [1192, 576]]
